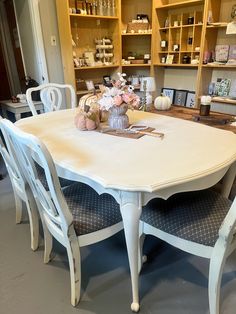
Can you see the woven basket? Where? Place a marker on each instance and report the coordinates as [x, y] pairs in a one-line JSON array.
[[136, 27]]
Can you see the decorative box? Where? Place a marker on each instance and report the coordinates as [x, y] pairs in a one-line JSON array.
[[137, 61], [136, 27], [222, 52], [222, 86]]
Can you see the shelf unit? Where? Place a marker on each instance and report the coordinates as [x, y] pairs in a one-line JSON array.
[[137, 44], [178, 33], [84, 29], [216, 34], [177, 4], [190, 37], [205, 36], [179, 24]]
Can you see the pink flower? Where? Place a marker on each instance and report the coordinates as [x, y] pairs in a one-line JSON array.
[[117, 84], [136, 101], [117, 100], [127, 98]]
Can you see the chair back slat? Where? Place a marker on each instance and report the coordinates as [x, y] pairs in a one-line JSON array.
[[51, 95], [10, 157], [51, 98]]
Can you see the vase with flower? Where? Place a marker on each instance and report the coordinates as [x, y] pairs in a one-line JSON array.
[[117, 100]]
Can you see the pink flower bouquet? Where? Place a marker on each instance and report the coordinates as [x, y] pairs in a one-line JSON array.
[[118, 94]]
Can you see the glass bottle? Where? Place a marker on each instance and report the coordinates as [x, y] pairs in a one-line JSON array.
[[100, 7], [109, 8], [104, 7], [113, 7]]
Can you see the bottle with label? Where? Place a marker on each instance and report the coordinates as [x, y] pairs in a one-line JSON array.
[[167, 23], [209, 18]]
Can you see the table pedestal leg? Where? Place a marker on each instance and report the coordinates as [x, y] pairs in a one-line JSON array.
[[131, 208]]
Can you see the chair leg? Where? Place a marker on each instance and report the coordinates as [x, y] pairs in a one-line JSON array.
[[48, 243], [215, 275], [33, 219], [18, 203], [73, 252]]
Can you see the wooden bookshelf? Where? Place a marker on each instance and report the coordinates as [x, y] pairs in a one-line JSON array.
[[192, 38], [178, 4]]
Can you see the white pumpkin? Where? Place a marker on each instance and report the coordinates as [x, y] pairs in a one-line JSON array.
[[162, 102]]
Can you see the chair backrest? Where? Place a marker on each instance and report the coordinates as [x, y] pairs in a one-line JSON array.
[[9, 157], [51, 95], [51, 203]]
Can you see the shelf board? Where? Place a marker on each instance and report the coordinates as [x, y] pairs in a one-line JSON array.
[[189, 51], [174, 27], [166, 28], [177, 65], [136, 34], [136, 65], [224, 100], [179, 26], [97, 67], [219, 66], [83, 92], [191, 25], [180, 4], [87, 16], [180, 51], [220, 25], [167, 52]]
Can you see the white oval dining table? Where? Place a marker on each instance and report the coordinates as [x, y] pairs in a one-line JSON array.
[[191, 156]]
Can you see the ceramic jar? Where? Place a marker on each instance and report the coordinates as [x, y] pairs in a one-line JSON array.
[[118, 118]]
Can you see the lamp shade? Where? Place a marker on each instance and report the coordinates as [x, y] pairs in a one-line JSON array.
[[150, 84]]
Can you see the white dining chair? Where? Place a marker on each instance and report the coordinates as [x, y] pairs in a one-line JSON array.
[[51, 95], [76, 217], [21, 190], [201, 223]]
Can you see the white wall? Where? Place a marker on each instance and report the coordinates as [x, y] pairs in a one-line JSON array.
[[26, 35], [50, 28], [48, 19], [180, 79]]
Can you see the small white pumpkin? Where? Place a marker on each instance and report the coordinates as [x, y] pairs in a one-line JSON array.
[[162, 102]]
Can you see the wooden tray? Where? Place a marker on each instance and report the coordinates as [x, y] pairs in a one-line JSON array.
[[114, 132], [213, 119]]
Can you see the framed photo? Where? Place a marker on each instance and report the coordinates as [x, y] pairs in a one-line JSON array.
[[169, 59], [180, 97], [190, 101], [170, 92], [89, 85]]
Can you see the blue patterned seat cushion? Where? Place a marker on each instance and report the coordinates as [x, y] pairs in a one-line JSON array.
[[194, 216], [42, 178], [91, 212]]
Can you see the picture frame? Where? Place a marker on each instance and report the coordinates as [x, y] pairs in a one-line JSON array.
[[190, 100], [89, 85], [170, 92], [169, 59], [180, 97]]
